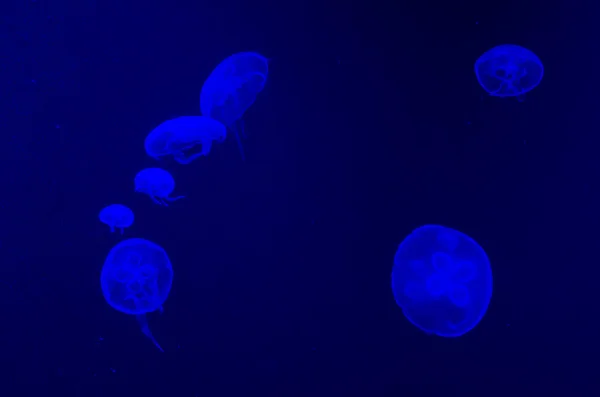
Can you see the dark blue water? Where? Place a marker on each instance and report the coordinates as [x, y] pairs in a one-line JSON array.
[[371, 124]]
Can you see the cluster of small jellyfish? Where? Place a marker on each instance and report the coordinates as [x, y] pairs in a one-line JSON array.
[[442, 278], [137, 274]]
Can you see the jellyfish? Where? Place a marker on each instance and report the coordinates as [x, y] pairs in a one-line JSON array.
[[231, 88], [442, 280], [157, 183], [509, 71], [136, 279], [116, 215], [175, 136]]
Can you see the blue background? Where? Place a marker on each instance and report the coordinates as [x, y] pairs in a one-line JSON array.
[[371, 124]]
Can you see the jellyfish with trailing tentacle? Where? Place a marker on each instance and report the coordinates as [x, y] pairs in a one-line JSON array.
[[116, 215], [509, 71], [157, 183], [192, 134], [442, 280], [136, 279], [232, 88]]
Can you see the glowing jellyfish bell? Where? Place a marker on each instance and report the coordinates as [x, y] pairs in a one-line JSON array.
[[157, 183], [136, 279], [232, 88], [187, 133], [509, 71], [442, 280], [116, 215]]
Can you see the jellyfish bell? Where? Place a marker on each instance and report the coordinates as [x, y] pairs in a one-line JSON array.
[[117, 216], [509, 71], [136, 279], [441, 280], [232, 88], [157, 183], [184, 134]]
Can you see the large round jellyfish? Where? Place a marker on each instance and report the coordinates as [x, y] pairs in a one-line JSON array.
[[174, 137], [232, 87], [509, 70], [157, 183], [116, 215], [136, 279], [442, 280]]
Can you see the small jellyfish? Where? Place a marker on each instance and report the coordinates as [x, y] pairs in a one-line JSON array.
[[136, 279], [232, 87], [157, 183], [175, 136], [116, 215], [442, 280], [509, 71]]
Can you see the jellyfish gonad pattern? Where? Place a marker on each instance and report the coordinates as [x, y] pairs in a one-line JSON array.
[[232, 88], [157, 183], [174, 137], [116, 215], [136, 279], [442, 280], [509, 71]]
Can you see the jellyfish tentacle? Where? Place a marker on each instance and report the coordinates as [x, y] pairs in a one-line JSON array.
[[143, 321], [189, 159], [155, 200], [239, 142], [206, 146], [173, 198], [242, 129], [181, 159]]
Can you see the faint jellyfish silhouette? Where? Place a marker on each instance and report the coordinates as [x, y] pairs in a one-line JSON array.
[[509, 71], [157, 183], [442, 280], [116, 215], [136, 279], [232, 87], [175, 136]]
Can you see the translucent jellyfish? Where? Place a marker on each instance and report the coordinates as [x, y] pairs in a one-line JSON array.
[[185, 133], [136, 279], [442, 280], [509, 70], [157, 183], [232, 87], [116, 215]]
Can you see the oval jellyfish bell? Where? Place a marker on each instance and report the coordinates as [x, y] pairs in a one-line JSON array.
[[157, 183], [136, 279], [187, 133], [116, 215], [232, 88], [442, 280], [509, 70]]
